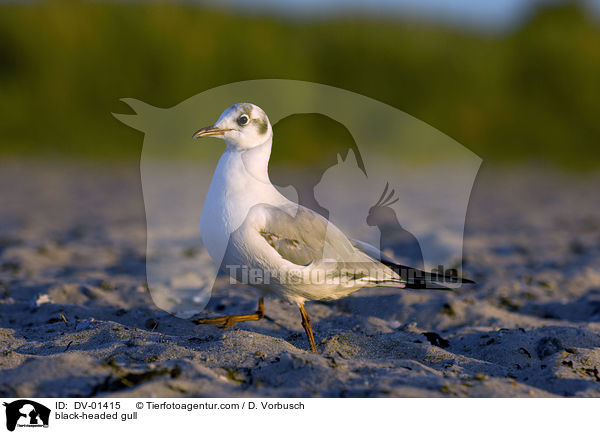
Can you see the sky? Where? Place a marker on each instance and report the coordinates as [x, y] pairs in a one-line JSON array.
[[478, 13], [483, 14]]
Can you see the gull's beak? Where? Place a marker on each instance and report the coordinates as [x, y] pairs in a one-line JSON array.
[[210, 131]]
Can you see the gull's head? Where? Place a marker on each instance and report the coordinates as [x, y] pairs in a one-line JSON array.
[[243, 126]]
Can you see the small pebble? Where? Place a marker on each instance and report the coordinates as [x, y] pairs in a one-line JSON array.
[[480, 376]]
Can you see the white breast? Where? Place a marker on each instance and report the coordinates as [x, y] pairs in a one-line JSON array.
[[233, 191]]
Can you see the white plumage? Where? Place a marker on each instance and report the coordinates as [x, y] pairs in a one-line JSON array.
[[248, 225]]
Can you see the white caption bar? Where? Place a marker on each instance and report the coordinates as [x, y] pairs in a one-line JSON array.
[[260, 415]]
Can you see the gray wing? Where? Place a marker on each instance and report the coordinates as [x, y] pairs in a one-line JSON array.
[[277, 237], [372, 251], [302, 236]]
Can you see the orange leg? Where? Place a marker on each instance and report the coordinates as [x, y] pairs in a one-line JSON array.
[[308, 328], [230, 320]]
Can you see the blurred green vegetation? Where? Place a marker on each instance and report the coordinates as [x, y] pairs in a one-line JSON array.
[[531, 93]]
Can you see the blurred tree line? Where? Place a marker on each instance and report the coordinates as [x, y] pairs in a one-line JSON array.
[[531, 93]]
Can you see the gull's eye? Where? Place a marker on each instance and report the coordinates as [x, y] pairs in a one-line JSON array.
[[243, 120]]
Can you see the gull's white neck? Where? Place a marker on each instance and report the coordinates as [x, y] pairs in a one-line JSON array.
[[241, 180], [255, 161]]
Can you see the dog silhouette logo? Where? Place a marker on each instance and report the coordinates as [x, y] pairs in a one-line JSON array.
[[26, 413]]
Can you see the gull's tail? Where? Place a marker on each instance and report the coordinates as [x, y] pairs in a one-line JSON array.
[[419, 279], [412, 278]]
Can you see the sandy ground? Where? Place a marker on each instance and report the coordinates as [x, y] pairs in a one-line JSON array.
[[76, 318]]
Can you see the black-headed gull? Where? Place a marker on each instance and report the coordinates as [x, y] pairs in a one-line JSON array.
[[261, 238]]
